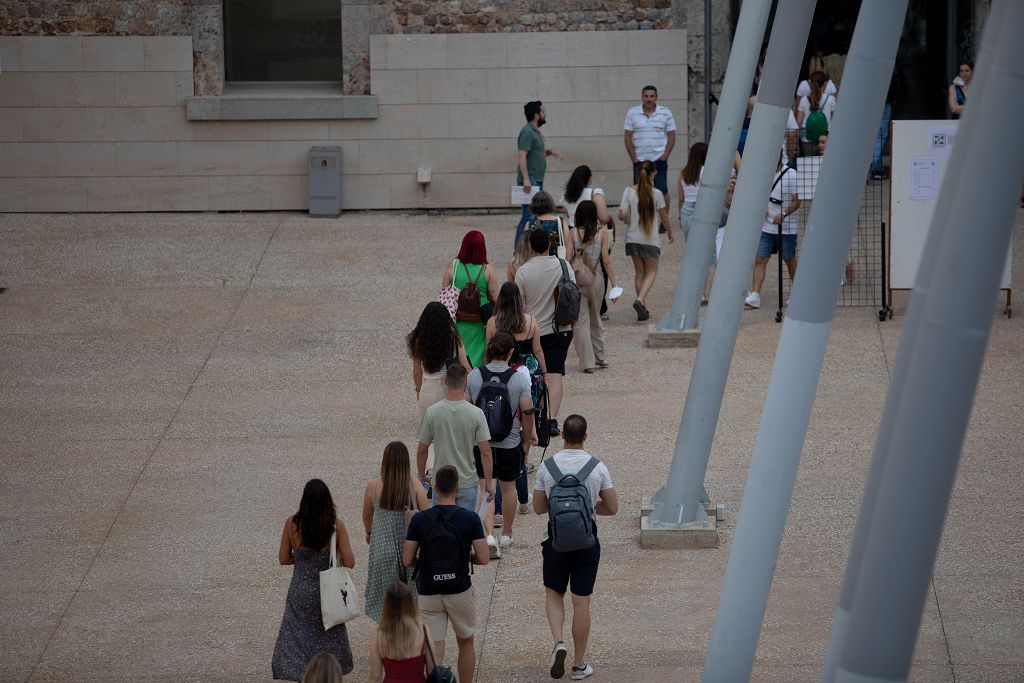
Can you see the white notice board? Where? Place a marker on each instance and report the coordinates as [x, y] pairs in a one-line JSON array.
[[920, 151]]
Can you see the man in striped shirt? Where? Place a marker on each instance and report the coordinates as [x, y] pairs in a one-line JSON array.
[[650, 135]]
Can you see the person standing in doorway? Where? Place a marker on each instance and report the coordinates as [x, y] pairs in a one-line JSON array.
[[650, 135], [531, 161]]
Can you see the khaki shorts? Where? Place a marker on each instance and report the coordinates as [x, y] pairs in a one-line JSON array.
[[459, 609]]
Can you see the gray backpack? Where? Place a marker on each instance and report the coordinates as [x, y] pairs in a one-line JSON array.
[[570, 525], [567, 299]]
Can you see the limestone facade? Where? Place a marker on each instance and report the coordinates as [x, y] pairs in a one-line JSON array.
[[93, 123]]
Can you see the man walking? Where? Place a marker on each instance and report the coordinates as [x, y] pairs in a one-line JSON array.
[[650, 135], [537, 279], [783, 201], [531, 162], [454, 426], [573, 479], [443, 537], [503, 393]]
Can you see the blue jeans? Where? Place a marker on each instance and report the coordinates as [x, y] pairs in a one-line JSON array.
[[881, 138], [465, 498], [660, 181], [526, 216]]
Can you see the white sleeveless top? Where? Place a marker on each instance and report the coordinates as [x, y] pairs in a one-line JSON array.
[[570, 207]]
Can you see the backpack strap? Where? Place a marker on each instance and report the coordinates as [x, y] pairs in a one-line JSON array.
[[485, 374], [553, 469], [587, 469], [506, 375]]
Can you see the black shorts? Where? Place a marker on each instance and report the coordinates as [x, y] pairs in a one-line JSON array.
[[556, 346], [507, 463], [576, 570]]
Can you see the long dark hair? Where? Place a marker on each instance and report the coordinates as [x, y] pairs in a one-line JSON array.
[[508, 309], [434, 339], [394, 476], [586, 218], [817, 80], [645, 196], [577, 183], [317, 515], [698, 154]]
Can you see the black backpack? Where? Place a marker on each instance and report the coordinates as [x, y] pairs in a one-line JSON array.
[[540, 408], [494, 399], [567, 299], [570, 525], [443, 564]]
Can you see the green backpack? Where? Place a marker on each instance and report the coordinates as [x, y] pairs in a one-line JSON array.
[[817, 124]]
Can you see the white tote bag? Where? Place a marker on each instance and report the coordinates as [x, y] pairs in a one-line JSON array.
[[339, 601]]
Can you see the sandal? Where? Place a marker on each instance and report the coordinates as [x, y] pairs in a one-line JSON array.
[[589, 371]]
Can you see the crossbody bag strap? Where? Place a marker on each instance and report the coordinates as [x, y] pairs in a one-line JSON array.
[[429, 647], [334, 549]]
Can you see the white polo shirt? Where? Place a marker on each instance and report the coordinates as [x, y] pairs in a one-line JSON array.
[[650, 133]]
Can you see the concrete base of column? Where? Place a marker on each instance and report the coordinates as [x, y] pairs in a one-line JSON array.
[[664, 339], [688, 537], [710, 509]]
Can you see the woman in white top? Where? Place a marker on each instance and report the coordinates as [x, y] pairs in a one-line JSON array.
[[817, 99], [642, 205], [689, 185], [580, 188]]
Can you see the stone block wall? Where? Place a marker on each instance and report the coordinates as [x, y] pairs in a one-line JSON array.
[[99, 123]]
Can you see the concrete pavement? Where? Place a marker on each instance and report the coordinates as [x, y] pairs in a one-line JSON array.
[[170, 381]]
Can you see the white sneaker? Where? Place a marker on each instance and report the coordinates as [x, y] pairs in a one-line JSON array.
[[524, 508], [505, 541], [499, 520], [492, 546], [580, 674], [753, 300], [558, 654]]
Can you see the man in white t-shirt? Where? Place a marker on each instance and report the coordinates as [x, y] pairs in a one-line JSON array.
[[783, 201], [537, 280], [575, 570], [650, 134]]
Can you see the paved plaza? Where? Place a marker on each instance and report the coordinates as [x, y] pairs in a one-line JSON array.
[[170, 381]]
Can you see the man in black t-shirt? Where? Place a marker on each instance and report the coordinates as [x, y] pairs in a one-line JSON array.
[[438, 608]]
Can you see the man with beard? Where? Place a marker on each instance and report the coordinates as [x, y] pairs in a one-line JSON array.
[[532, 160]]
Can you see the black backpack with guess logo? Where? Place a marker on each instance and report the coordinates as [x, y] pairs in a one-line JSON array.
[[443, 564]]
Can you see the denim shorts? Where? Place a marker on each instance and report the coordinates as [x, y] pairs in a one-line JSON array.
[[768, 246]]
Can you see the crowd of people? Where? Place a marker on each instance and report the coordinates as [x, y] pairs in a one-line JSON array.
[[488, 367]]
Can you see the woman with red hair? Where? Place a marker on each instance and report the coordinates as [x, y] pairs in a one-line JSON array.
[[470, 267]]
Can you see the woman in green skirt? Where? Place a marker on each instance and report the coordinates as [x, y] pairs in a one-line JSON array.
[[471, 266]]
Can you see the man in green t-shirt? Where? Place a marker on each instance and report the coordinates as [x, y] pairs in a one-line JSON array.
[[532, 160], [454, 426]]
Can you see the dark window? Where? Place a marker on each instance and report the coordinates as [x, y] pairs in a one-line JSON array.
[[282, 40]]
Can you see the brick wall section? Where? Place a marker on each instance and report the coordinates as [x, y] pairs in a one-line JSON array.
[[96, 17], [488, 16]]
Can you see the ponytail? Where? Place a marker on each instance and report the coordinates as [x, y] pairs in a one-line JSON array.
[[645, 196]]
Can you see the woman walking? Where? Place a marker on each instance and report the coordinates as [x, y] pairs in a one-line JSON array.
[[386, 504], [305, 543], [689, 185], [590, 250], [580, 187], [641, 206], [433, 344], [471, 266], [399, 647], [543, 207], [818, 100]]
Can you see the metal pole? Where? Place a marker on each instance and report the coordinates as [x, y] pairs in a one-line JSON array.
[[943, 361], [732, 107], [678, 503], [801, 350], [922, 285], [707, 69]]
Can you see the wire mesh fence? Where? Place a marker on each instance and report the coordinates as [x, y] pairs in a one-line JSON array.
[[863, 276]]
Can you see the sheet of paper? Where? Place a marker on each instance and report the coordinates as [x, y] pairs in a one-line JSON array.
[[615, 293], [482, 510], [519, 197], [924, 179]]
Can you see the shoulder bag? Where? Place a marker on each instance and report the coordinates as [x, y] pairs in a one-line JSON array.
[[339, 601], [439, 672], [449, 296]]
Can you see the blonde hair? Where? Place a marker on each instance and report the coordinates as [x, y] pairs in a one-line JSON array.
[[324, 668], [524, 252], [400, 625]]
